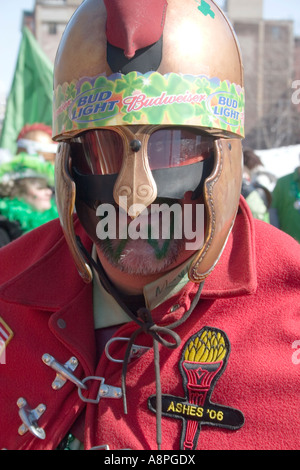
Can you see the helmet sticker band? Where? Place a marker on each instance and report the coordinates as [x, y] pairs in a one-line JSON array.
[[151, 98]]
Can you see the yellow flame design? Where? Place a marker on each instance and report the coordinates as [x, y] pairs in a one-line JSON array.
[[209, 347]]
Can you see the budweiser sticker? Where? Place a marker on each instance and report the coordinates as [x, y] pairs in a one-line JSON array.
[[151, 98]]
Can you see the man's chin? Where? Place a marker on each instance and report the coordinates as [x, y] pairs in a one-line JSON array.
[[141, 257]]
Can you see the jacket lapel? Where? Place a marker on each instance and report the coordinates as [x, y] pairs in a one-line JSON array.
[[53, 285]]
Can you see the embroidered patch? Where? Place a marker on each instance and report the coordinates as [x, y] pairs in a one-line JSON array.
[[203, 361], [6, 335]]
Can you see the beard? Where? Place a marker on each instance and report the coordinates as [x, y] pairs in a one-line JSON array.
[[142, 257], [154, 246], [139, 251]]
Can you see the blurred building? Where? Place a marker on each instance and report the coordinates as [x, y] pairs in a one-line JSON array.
[[297, 68], [268, 50], [239, 9], [48, 21]]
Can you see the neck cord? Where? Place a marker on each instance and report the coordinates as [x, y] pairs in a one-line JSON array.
[[146, 325]]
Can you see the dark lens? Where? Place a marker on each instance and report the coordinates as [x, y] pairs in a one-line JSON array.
[[98, 152], [170, 147]]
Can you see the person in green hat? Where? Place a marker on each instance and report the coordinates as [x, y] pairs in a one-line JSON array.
[[26, 196]]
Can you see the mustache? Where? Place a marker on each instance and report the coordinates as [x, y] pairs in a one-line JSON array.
[[130, 260]]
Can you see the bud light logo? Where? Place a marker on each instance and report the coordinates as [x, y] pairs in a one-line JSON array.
[[93, 105], [224, 106]]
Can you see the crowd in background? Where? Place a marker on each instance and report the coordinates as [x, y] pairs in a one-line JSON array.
[[27, 197], [275, 201]]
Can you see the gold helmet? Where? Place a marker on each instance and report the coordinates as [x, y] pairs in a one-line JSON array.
[[126, 70]]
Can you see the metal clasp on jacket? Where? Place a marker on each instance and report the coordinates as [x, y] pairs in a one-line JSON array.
[[30, 418], [64, 371], [135, 352], [104, 391]]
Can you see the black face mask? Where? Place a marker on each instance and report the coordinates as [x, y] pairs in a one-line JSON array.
[[172, 183]]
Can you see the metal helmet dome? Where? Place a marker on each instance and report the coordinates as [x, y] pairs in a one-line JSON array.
[[153, 63]]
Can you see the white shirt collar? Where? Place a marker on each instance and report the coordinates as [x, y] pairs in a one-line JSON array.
[[107, 312]]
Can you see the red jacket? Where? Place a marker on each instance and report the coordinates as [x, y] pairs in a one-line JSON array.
[[247, 399]]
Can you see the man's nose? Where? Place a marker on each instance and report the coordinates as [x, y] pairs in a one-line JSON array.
[[135, 187]]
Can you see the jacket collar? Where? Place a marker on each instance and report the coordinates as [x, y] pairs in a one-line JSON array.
[[52, 280], [234, 274], [41, 286]]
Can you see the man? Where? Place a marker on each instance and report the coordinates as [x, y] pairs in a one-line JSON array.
[[36, 139], [167, 339], [26, 195], [285, 208], [257, 196]]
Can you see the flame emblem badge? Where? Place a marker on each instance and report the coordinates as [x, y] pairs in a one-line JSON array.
[[203, 361]]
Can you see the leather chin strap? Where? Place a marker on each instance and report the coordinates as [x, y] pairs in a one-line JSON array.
[[143, 319], [221, 193]]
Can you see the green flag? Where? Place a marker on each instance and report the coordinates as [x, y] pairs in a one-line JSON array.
[[30, 97]]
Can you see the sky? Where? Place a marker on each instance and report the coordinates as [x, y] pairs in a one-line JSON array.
[[11, 18]]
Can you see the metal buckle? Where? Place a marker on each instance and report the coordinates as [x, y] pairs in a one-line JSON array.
[[64, 372], [29, 419], [135, 352], [104, 391]]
